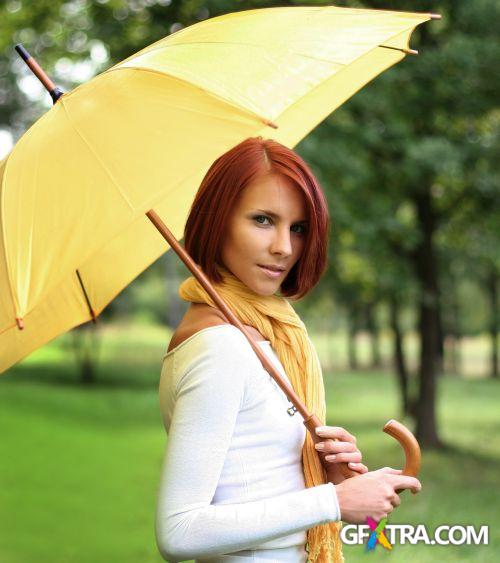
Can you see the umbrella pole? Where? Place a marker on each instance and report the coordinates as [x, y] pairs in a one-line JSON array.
[[311, 421]]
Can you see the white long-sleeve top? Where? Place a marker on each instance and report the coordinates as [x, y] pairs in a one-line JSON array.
[[232, 478]]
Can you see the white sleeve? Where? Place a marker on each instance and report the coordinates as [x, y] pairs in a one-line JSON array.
[[209, 396]]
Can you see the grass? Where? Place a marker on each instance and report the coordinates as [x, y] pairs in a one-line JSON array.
[[80, 466]]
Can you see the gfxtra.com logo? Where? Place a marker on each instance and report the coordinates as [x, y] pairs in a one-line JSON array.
[[377, 534], [389, 535]]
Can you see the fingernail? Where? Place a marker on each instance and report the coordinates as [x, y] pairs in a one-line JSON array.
[[320, 430], [320, 446], [330, 457]]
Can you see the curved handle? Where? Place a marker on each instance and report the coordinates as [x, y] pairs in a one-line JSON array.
[[409, 443], [410, 446], [391, 427]]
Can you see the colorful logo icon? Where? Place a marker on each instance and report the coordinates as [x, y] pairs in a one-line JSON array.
[[377, 535]]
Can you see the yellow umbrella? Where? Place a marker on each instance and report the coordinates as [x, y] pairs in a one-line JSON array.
[[76, 188]]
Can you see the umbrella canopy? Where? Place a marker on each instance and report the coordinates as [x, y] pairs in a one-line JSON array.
[[75, 188]]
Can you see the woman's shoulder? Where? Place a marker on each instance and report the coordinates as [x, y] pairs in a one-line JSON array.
[[197, 317], [200, 316]]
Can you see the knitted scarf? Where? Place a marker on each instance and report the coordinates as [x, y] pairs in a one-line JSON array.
[[277, 321]]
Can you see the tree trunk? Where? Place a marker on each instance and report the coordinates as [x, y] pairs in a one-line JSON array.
[[399, 359], [456, 334], [440, 338], [493, 292], [372, 327], [426, 272], [351, 340], [86, 344]]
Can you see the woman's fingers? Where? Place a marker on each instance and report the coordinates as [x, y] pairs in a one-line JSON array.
[[395, 500], [359, 467], [339, 446], [344, 457], [335, 432], [332, 447]]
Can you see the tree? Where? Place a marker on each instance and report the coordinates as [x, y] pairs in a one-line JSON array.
[[397, 149]]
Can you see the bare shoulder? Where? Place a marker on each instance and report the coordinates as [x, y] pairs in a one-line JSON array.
[[198, 317]]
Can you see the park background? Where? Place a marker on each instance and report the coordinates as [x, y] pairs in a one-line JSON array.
[[405, 319]]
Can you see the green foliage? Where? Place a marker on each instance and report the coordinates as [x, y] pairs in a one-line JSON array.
[[429, 124]]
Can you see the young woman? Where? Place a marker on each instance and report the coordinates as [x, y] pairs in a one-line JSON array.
[[241, 479]]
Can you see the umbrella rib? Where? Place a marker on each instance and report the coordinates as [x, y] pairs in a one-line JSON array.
[[407, 51], [256, 45], [94, 154], [19, 320], [92, 313], [266, 121], [169, 46], [297, 53], [4, 234]]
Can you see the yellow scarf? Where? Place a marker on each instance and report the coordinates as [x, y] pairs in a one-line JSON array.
[[277, 321]]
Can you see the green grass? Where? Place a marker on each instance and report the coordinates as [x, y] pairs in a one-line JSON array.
[[80, 466]]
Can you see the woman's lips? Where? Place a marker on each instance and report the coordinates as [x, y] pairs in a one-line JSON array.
[[271, 273]]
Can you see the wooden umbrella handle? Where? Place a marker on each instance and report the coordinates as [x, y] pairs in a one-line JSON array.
[[410, 446], [392, 427], [409, 443], [311, 421]]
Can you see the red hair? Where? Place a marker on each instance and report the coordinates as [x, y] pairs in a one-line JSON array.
[[216, 196]]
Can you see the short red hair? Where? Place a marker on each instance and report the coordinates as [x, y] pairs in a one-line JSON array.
[[216, 196]]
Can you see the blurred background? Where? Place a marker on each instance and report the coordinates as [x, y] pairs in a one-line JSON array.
[[405, 319]]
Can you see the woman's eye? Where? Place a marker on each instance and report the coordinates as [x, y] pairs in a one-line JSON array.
[[302, 230], [257, 217]]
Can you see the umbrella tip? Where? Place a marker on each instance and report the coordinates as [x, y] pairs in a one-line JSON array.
[[435, 16], [270, 124], [23, 53], [20, 323]]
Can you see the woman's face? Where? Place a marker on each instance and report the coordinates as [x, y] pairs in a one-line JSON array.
[[254, 237]]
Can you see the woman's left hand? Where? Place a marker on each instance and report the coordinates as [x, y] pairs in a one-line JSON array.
[[344, 450]]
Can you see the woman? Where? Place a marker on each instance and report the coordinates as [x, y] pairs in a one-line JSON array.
[[241, 480]]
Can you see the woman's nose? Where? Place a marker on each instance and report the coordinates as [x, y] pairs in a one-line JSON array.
[[282, 242]]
